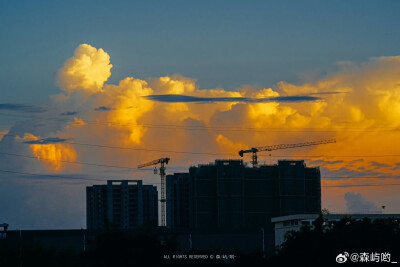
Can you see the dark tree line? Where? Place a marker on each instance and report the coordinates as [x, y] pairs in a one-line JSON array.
[[311, 246], [321, 244]]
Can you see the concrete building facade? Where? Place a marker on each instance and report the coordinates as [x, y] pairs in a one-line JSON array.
[[125, 204]]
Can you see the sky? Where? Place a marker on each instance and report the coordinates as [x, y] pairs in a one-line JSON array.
[[75, 75]]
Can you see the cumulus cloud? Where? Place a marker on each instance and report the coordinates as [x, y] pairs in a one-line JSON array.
[[358, 105], [51, 151], [355, 202], [87, 70], [358, 101]]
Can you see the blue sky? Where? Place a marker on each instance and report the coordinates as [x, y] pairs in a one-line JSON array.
[[220, 43]]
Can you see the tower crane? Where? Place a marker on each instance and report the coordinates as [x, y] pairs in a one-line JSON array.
[[254, 150], [162, 161]]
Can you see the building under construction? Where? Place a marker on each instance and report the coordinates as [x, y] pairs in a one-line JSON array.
[[229, 196]]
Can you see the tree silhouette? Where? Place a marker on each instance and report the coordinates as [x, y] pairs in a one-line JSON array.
[[319, 245]]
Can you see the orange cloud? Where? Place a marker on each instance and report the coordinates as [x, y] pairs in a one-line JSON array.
[[52, 155], [359, 107]]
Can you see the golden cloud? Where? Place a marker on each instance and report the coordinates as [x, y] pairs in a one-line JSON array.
[[52, 155], [360, 107], [87, 70]]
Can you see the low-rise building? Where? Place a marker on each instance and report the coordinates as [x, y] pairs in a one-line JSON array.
[[284, 224]]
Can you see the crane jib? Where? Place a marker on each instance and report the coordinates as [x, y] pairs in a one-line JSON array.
[[154, 162], [254, 150]]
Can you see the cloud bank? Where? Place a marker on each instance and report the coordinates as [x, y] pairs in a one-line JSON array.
[[356, 203], [360, 108], [136, 119]]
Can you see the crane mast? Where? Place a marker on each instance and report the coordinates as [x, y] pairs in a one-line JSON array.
[[162, 161], [254, 150]]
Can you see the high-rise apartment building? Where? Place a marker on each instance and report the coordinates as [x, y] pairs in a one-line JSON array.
[[229, 196], [125, 204], [177, 195]]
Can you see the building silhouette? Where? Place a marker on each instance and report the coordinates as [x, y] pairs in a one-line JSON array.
[[125, 204], [227, 196], [177, 197]]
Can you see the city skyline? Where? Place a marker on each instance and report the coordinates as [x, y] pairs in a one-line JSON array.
[[96, 114]]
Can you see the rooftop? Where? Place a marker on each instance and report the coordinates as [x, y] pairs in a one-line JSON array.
[[335, 216]]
